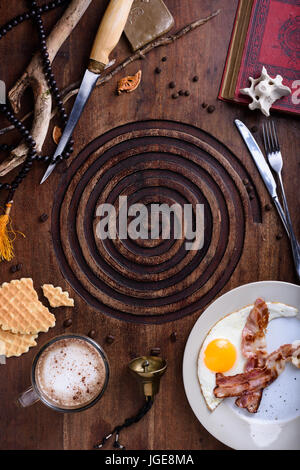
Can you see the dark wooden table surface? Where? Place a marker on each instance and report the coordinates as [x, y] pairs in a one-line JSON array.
[[250, 237]]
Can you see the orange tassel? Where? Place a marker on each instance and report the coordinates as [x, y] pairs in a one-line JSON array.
[[7, 235]]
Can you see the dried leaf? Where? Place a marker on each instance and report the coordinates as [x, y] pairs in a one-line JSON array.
[[129, 83]]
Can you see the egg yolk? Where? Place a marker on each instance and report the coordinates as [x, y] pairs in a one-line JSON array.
[[220, 355]]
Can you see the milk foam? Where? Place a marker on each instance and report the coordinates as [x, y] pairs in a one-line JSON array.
[[70, 373]]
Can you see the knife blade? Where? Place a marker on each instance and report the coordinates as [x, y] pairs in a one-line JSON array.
[[107, 37], [262, 167], [86, 88]]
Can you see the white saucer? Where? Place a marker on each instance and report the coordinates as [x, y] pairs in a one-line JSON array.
[[277, 424]]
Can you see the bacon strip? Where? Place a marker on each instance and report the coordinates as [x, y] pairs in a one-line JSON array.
[[259, 378], [254, 348], [250, 400]]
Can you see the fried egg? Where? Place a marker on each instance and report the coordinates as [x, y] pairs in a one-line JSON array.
[[221, 349]]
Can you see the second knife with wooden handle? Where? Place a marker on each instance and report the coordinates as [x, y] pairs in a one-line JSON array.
[[107, 37]]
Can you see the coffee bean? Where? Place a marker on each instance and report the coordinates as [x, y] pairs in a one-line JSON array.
[[68, 323], [249, 189], [164, 59], [204, 105], [251, 196], [158, 70], [132, 355], [172, 84], [187, 93], [92, 334], [175, 96], [195, 78], [245, 181], [268, 207], [19, 266], [254, 129], [13, 269], [155, 352], [173, 337], [109, 339], [181, 92], [44, 217], [211, 109], [279, 236]]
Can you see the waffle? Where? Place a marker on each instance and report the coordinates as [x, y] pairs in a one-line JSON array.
[[15, 344], [56, 296], [20, 309]]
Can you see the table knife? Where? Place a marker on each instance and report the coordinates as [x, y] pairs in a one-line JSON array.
[[263, 168], [107, 37]]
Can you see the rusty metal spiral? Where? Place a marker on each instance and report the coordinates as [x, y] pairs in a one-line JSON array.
[[151, 162]]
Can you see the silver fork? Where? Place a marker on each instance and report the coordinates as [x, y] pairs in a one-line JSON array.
[[276, 163]]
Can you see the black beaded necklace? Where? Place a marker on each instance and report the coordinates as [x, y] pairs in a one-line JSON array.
[[34, 13]]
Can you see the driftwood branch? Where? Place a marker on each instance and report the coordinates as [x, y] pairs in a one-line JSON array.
[[18, 155], [34, 77]]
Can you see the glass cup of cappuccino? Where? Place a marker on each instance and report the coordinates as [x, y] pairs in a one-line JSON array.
[[70, 373]]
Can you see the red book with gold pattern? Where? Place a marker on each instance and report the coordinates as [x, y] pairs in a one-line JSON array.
[[265, 33]]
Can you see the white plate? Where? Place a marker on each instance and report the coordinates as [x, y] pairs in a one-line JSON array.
[[277, 424]]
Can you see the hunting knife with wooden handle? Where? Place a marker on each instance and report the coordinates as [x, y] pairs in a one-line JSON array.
[[107, 37]]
